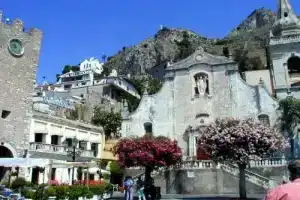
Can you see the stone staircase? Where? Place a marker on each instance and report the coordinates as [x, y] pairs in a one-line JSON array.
[[254, 178], [251, 177]]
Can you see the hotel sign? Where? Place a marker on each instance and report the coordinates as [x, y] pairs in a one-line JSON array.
[[64, 103]]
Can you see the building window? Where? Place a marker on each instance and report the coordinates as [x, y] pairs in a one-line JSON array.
[[264, 119], [94, 148], [53, 172], [148, 127], [54, 139], [83, 145], [5, 114]]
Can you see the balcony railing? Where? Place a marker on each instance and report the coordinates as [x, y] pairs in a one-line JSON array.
[[41, 147]]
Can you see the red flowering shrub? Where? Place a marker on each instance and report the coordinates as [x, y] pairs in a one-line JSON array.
[[90, 182], [148, 152], [53, 182]]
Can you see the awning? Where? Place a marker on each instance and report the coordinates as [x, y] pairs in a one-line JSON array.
[[74, 164], [24, 162], [94, 170], [108, 155]]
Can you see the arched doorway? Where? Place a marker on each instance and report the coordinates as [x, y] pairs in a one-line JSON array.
[[293, 64], [202, 153], [4, 153]]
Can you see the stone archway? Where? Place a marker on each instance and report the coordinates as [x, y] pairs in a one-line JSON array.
[[293, 64], [5, 152]]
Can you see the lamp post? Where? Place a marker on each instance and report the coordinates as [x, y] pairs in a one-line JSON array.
[[99, 163], [72, 151]]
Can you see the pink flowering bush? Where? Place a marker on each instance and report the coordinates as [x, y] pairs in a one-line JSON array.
[[238, 141]]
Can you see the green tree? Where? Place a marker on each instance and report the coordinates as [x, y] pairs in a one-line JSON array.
[[185, 47], [104, 58], [289, 118], [246, 62], [141, 84], [57, 77], [69, 68], [115, 168], [110, 121]]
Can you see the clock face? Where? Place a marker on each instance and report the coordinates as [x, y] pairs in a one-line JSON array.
[[15, 47]]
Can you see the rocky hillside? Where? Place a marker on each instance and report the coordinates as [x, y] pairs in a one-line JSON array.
[[246, 43]]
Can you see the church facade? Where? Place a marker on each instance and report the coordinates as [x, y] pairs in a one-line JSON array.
[[203, 87], [196, 91]]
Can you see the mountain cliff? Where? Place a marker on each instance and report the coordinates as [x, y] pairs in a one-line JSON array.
[[246, 43]]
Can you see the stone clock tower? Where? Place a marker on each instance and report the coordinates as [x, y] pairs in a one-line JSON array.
[[19, 56]]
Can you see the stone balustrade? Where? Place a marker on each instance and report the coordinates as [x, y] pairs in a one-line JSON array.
[[50, 148], [198, 164], [268, 162], [234, 170]]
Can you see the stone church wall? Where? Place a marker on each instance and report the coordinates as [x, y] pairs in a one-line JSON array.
[[157, 109], [251, 101], [179, 104]]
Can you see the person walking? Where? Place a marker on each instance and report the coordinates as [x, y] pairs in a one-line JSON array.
[[140, 189], [128, 184], [288, 191]]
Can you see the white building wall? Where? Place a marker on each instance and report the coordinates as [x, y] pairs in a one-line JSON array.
[[57, 152]]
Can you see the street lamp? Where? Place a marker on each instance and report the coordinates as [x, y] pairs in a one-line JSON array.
[[72, 151], [99, 163]]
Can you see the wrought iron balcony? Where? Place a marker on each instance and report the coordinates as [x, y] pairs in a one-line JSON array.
[[59, 149]]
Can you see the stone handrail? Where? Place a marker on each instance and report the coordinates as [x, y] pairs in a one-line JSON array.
[[35, 146], [234, 170], [250, 176]]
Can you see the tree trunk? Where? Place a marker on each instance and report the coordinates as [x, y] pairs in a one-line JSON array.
[[148, 171], [292, 142], [148, 183], [242, 181]]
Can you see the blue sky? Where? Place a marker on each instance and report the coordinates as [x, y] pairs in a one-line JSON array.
[[77, 29]]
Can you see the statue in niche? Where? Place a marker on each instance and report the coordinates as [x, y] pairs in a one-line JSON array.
[[201, 85]]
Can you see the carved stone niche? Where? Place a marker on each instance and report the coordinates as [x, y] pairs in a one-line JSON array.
[[201, 84]]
